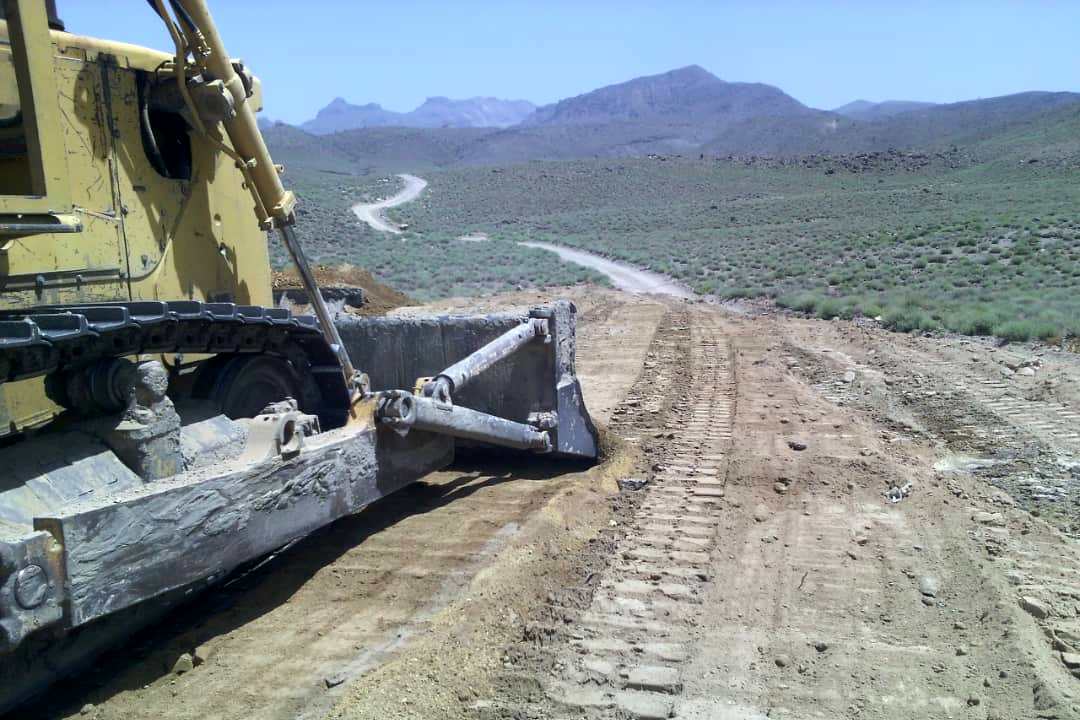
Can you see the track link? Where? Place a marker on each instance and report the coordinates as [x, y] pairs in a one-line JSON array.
[[45, 340]]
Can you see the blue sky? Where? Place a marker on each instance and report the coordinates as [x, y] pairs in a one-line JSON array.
[[397, 52]]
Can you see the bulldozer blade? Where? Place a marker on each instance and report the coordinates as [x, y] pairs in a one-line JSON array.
[[537, 385], [90, 551], [99, 559]]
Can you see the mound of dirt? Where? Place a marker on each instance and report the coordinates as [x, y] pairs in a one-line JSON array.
[[378, 298]]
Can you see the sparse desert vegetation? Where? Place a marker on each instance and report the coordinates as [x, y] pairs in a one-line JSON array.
[[985, 248], [426, 265], [977, 234]]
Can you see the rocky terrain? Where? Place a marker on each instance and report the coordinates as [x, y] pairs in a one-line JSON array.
[[795, 518]]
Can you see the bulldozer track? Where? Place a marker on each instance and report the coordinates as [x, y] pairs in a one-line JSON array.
[[285, 640], [626, 653], [54, 339]]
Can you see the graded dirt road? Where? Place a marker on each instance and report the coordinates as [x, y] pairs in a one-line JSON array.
[[762, 571], [372, 213], [623, 276]]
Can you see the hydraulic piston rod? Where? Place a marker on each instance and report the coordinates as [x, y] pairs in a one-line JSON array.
[[274, 204], [403, 411], [453, 378]]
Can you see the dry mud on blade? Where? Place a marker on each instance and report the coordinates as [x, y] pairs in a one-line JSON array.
[[90, 552]]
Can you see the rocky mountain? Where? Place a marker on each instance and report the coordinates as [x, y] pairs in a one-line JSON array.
[[952, 123], [866, 110], [689, 95], [342, 115], [435, 112], [472, 113], [687, 111]]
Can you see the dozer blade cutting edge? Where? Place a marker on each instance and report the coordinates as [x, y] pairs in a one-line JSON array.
[[89, 549]]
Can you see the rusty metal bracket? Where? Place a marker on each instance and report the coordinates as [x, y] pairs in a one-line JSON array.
[[279, 431]]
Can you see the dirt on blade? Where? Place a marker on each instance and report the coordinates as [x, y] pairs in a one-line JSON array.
[[379, 297]]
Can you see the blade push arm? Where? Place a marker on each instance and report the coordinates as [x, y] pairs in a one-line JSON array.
[[196, 32]]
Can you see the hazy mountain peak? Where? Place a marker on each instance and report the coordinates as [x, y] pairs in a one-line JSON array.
[[854, 106], [867, 110], [686, 94], [692, 73], [435, 112]]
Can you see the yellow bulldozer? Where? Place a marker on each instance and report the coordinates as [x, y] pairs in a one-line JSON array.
[[162, 423]]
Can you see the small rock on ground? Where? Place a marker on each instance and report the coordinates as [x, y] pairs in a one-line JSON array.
[[183, 664], [644, 706], [1035, 607]]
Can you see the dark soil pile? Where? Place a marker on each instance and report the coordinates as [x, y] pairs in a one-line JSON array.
[[379, 299]]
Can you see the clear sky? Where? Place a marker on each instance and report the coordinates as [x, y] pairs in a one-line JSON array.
[[397, 52]]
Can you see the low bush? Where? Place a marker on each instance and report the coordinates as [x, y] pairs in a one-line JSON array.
[[975, 321], [1024, 330], [909, 318], [829, 308], [800, 302]]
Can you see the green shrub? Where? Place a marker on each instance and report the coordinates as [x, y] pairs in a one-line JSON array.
[[909, 318], [800, 302], [869, 308], [1024, 330], [828, 308], [973, 322]]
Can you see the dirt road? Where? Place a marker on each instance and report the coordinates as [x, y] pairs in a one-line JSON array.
[[372, 213], [761, 572], [764, 574], [623, 276]]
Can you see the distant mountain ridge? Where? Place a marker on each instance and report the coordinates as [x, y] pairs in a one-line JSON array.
[[866, 110], [435, 112], [684, 111], [688, 94]]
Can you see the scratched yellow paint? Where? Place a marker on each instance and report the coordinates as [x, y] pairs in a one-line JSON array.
[[140, 235]]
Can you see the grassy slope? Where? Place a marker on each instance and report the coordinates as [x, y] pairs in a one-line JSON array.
[[993, 247], [423, 265]]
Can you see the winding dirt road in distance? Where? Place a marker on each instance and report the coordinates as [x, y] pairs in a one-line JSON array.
[[372, 213], [624, 277]]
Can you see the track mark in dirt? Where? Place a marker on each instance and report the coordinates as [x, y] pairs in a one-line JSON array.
[[633, 632], [820, 612], [763, 574]]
